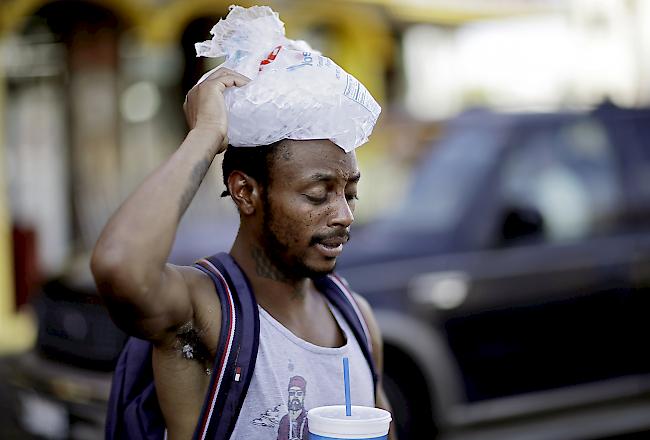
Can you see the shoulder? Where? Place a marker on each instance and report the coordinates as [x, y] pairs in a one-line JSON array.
[[368, 316], [373, 328], [362, 303], [366, 313], [364, 306]]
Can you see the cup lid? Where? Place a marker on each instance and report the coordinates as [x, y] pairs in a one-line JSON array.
[[332, 421]]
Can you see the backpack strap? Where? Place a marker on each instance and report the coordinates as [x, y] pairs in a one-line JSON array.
[[237, 348], [133, 410], [336, 290]]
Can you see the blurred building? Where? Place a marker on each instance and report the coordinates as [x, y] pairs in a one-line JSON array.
[[583, 53], [91, 95]]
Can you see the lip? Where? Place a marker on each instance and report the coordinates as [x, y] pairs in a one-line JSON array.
[[328, 250], [334, 241]]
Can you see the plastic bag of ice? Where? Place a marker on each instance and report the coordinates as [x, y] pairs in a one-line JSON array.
[[294, 93]]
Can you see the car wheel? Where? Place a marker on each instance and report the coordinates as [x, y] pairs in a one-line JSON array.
[[407, 393]]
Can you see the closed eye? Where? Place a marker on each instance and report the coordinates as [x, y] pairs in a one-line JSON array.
[[316, 200]]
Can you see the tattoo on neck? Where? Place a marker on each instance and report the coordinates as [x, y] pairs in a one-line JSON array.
[[298, 293], [197, 175], [265, 268]]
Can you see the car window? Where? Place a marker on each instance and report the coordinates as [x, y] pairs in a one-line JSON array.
[[567, 173], [445, 182], [636, 129]]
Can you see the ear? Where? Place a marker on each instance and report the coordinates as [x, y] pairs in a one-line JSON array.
[[245, 192]]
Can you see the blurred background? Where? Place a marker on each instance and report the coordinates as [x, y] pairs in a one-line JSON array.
[[505, 201]]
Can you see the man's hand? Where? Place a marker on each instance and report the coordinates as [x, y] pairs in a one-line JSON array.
[[205, 109]]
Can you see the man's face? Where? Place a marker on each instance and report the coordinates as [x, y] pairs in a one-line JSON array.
[[309, 207], [296, 399]]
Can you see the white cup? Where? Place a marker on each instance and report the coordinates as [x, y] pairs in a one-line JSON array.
[[331, 423]]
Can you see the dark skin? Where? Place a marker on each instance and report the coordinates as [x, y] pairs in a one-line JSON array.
[[294, 227]]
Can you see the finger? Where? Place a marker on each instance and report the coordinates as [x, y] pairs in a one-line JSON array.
[[219, 71], [225, 82], [233, 78], [225, 71], [230, 81]]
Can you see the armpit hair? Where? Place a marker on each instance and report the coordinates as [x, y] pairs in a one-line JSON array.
[[190, 345]]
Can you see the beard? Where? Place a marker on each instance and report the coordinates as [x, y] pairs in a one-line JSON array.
[[295, 405], [293, 267]]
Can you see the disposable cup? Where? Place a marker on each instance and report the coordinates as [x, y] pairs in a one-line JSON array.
[[331, 423]]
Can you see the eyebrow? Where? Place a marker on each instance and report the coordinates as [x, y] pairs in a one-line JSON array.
[[327, 177]]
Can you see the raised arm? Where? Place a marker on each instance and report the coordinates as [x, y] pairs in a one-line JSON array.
[[146, 296]]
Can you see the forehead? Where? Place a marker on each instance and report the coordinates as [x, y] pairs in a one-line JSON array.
[[302, 159]]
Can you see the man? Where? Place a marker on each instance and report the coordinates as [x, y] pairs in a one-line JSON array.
[[295, 210], [294, 424]]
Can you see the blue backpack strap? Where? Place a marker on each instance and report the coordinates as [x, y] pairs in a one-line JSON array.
[[237, 349], [133, 410], [337, 292]]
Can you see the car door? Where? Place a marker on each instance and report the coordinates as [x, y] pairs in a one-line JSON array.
[[550, 320]]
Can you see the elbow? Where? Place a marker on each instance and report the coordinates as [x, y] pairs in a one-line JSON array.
[[116, 276], [104, 265], [108, 269]]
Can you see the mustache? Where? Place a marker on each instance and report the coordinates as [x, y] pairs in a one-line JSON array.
[[295, 404], [338, 233]]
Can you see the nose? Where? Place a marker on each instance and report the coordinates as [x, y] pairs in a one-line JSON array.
[[343, 213]]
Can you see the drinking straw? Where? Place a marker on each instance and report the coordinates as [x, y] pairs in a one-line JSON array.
[[346, 380]]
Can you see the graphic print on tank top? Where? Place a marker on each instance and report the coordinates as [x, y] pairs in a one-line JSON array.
[[292, 376], [292, 425]]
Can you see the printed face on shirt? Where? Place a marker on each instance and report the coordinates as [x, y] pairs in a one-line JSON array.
[[296, 399], [309, 207]]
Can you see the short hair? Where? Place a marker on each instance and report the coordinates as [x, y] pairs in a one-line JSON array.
[[253, 161]]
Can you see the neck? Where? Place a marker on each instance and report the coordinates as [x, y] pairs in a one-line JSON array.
[[273, 289]]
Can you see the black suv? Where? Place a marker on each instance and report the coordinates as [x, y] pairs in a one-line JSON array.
[[512, 282]]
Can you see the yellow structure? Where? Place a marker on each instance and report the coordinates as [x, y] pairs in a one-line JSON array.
[[16, 330]]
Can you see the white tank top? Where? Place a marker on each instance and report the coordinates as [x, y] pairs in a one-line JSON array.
[[292, 375]]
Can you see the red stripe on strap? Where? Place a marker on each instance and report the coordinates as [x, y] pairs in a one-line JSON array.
[[224, 357]]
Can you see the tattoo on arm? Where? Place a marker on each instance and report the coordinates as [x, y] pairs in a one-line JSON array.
[[198, 172]]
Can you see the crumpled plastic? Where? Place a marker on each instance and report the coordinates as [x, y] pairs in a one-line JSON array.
[[294, 93]]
